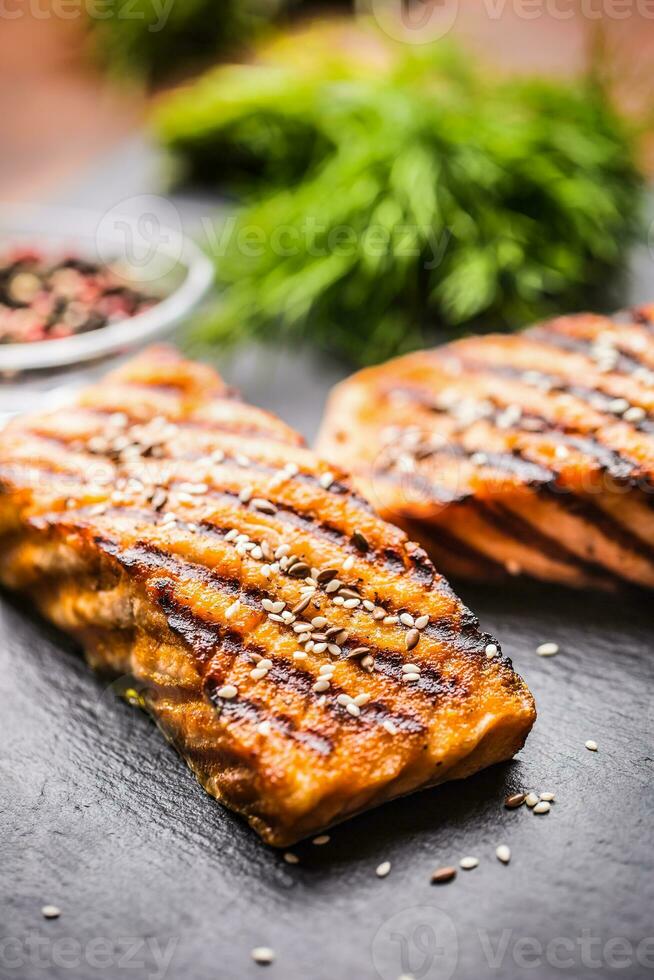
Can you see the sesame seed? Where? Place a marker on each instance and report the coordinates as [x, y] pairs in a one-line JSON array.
[[321, 685], [412, 639], [282, 551], [360, 542], [542, 807], [492, 650], [319, 647], [319, 621], [407, 619], [334, 649], [233, 609], [618, 406], [351, 603], [368, 605], [321, 840], [348, 563], [265, 506], [421, 622], [263, 955], [514, 801], [227, 692], [388, 726], [531, 799], [410, 669], [383, 869], [245, 495], [503, 853], [390, 620], [301, 627], [443, 875], [591, 745], [411, 677], [547, 649], [362, 699], [258, 673], [327, 669], [353, 709], [291, 858], [50, 912], [368, 662], [468, 863], [256, 553], [264, 728], [299, 655], [547, 797], [634, 414], [302, 605]]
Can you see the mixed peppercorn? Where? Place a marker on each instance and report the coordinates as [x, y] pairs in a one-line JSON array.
[[42, 299]]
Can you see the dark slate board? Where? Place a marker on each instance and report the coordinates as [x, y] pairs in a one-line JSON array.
[[104, 820]]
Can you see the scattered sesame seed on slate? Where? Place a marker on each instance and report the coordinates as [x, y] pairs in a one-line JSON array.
[[515, 800], [591, 745], [468, 863], [547, 649], [503, 853], [542, 807], [383, 869], [50, 912], [263, 955]]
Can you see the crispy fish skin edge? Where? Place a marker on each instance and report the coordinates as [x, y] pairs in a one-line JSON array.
[[239, 789]]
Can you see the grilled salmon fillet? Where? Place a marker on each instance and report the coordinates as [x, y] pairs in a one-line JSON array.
[[302, 655], [506, 454]]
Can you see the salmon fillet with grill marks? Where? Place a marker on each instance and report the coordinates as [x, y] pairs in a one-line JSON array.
[[507, 454], [302, 655]]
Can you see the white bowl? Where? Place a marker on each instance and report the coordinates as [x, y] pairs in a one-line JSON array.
[[167, 263]]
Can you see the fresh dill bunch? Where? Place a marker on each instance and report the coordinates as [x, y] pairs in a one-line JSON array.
[[154, 39], [385, 208]]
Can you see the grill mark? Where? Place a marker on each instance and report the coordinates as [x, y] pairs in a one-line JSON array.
[[521, 530], [586, 395], [259, 466], [286, 513], [207, 635], [242, 708], [619, 466], [625, 363], [285, 674], [612, 529], [237, 428]]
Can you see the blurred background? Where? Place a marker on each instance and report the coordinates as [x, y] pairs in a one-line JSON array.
[[366, 177]]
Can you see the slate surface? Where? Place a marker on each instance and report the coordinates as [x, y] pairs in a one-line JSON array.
[[154, 879]]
